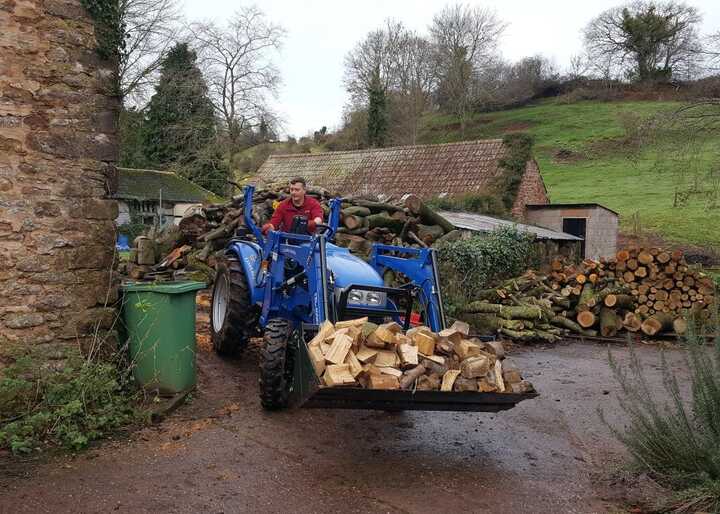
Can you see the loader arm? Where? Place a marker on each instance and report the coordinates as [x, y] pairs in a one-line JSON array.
[[420, 266]]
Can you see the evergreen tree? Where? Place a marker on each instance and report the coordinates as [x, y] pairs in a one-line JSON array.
[[132, 154], [179, 131], [377, 112]]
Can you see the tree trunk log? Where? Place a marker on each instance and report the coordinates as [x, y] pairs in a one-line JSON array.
[[656, 323], [428, 216], [384, 221], [586, 319], [609, 322]]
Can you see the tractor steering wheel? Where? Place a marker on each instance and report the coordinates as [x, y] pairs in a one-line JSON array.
[[325, 228]]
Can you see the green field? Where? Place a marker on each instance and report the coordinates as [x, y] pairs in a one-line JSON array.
[[597, 166]]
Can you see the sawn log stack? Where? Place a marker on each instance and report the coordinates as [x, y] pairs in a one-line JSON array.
[[358, 353], [647, 290], [364, 220]]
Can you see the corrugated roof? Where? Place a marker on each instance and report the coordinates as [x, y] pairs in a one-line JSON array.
[[136, 184], [424, 170], [482, 223], [536, 207]]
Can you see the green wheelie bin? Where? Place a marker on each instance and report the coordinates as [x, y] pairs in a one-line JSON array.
[[159, 321]]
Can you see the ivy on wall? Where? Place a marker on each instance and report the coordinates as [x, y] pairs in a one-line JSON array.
[[519, 152], [109, 27]]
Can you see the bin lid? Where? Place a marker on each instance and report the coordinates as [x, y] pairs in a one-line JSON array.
[[184, 286]]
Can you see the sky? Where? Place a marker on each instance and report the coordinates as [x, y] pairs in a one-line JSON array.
[[321, 32]]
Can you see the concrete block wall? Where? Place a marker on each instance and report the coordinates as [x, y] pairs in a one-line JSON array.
[[602, 226], [58, 148]]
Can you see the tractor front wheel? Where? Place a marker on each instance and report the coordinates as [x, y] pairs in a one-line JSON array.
[[276, 365]]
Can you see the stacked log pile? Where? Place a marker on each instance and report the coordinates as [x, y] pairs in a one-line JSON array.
[[645, 290], [358, 353], [364, 220]]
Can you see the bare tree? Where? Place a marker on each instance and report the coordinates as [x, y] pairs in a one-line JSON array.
[[465, 40], [712, 52], [404, 62], [149, 27], [237, 60], [578, 67], [474, 31], [414, 83], [646, 40], [378, 51]]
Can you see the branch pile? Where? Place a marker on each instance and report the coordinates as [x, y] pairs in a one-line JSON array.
[[364, 220], [646, 290], [360, 353]]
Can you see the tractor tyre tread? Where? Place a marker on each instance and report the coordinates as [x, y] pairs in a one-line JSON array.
[[276, 365], [241, 319]]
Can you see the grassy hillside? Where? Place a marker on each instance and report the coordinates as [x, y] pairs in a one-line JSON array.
[[584, 157]]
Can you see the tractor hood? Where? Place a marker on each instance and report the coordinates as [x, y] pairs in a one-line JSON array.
[[349, 269]]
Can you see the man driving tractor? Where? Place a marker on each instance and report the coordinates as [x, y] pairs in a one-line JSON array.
[[292, 210]]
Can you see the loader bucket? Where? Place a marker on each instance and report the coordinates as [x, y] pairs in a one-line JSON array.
[[308, 393]]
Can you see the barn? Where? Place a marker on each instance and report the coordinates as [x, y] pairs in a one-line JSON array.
[[452, 169]]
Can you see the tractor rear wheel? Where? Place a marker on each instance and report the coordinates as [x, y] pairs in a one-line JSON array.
[[233, 318], [276, 365]]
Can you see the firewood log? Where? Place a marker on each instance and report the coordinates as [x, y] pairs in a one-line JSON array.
[[632, 322], [385, 221], [619, 301], [409, 377], [356, 210], [586, 319], [656, 323], [428, 216], [429, 233], [609, 322]]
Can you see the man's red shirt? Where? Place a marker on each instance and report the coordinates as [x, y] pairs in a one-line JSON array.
[[282, 218]]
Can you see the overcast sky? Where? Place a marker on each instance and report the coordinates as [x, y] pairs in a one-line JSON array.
[[321, 32]]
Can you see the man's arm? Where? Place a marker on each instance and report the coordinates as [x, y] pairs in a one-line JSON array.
[[316, 212], [276, 218]]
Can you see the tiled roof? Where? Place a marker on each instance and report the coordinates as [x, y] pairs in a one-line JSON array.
[[134, 184], [424, 170]]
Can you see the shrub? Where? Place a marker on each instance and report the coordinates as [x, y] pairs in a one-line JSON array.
[[67, 404], [470, 265], [676, 440]]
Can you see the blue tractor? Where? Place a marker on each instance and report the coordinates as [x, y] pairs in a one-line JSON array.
[[285, 285]]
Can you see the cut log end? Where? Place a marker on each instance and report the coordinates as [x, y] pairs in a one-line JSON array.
[[586, 319]]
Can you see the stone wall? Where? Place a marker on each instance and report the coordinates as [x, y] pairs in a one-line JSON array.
[[58, 146], [531, 191]]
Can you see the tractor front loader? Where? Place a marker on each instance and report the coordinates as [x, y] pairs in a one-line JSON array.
[[285, 285]]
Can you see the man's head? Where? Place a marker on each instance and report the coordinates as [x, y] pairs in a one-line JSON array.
[[297, 190]]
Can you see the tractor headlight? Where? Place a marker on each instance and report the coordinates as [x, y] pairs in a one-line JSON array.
[[356, 297], [373, 298], [367, 298]]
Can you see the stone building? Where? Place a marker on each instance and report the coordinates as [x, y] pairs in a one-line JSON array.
[[453, 169], [58, 147], [595, 224]]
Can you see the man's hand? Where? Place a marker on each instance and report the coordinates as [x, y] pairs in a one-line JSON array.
[[312, 225], [267, 227]]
